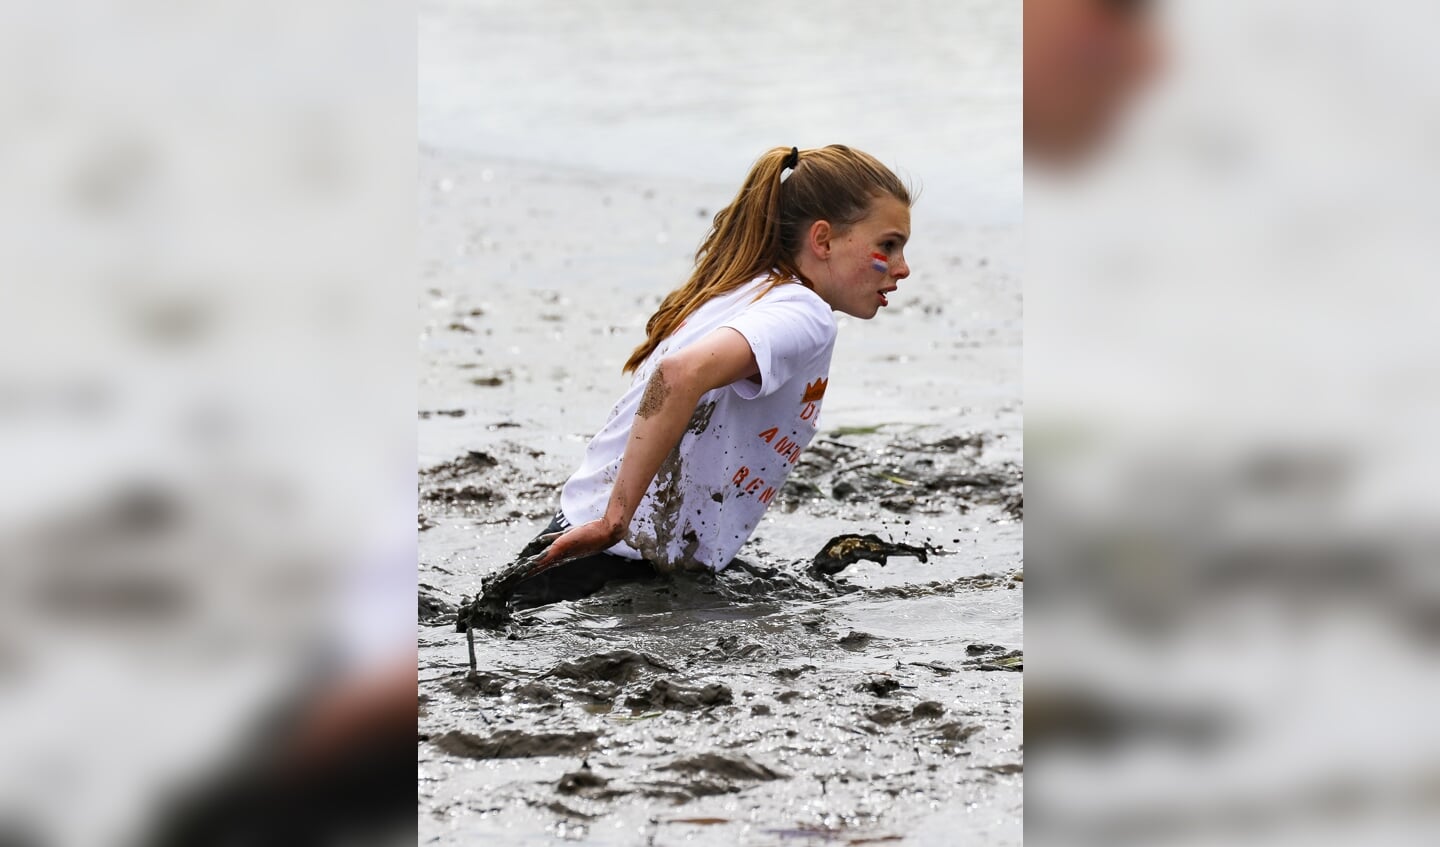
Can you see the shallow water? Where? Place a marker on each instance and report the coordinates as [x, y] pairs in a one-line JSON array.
[[540, 265]]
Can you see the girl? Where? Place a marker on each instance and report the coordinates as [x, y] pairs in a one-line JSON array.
[[730, 378]]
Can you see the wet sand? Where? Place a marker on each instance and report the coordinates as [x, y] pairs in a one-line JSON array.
[[772, 704]]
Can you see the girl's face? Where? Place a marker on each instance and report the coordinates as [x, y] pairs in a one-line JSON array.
[[867, 261]]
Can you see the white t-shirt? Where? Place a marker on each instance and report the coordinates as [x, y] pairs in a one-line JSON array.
[[742, 441]]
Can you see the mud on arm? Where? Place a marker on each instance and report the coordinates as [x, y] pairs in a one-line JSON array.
[[670, 398]]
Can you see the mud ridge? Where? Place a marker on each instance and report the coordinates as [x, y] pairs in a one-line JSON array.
[[515, 744]]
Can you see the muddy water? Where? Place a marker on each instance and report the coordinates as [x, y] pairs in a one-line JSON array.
[[773, 704]]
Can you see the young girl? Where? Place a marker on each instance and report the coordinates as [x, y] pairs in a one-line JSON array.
[[730, 378]]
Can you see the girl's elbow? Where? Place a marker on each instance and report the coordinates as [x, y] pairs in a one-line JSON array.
[[681, 373]]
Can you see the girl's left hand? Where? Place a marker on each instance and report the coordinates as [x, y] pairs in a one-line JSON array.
[[578, 542]]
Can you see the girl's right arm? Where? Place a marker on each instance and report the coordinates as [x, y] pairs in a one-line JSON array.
[[671, 395]]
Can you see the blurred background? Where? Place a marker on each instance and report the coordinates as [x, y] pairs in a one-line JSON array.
[[206, 415], [1230, 401]]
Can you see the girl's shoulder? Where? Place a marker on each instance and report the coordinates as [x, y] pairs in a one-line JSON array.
[[792, 295]]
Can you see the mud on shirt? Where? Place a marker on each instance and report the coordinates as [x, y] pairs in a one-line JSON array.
[[743, 438]]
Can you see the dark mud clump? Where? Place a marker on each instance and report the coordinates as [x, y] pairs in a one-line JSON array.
[[535, 692], [619, 666], [476, 682], [434, 610], [664, 694], [725, 767], [459, 468], [905, 475], [515, 744], [952, 733], [468, 494], [927, 710], [490, 609], [879, 685], [886, 715], [844, 550], [504, 482], [791, 673], [990, 657], [586, 783]]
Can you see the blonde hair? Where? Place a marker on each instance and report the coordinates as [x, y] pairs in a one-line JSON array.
[[763, 228]]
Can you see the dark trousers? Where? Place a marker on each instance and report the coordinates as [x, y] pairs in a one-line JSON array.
[[573, 580]]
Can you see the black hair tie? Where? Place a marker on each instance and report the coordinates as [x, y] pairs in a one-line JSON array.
[[792, 160]]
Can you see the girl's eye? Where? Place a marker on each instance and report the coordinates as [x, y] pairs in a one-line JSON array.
[[889, 246]]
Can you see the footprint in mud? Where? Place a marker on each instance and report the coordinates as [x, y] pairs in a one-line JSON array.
[[515, 744]]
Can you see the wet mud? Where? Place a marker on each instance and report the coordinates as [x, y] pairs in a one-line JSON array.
[[785, 683], [854, 676]]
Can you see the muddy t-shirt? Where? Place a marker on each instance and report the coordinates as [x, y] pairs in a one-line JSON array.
[[743, 439]]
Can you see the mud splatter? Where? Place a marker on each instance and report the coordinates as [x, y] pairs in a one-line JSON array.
[[656, 393]]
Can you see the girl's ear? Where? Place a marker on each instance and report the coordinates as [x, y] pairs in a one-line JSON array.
[[818, 239]]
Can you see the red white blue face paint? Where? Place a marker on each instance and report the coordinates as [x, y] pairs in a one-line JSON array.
[[880, 262]]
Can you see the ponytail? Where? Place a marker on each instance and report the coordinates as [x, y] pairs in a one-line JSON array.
[[760, 232]]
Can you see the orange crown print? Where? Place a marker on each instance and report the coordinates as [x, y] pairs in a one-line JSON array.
[[815, 390]]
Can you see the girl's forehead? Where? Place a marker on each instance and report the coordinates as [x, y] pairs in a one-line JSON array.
[[888, 213]]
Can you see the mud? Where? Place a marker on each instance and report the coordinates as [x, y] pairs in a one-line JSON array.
[[664, 694], [617, 666], [845, 550], [514, 744], [851, 676], [732, 709]]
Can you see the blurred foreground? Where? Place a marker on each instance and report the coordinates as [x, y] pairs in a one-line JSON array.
[[206, 423], [1230, 393]]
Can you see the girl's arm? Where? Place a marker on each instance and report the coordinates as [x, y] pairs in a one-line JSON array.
[[674, 389]]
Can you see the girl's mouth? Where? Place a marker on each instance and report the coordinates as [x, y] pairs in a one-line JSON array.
[[885, 301]]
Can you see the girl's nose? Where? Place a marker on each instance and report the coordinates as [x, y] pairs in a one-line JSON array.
[[900, 268]]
